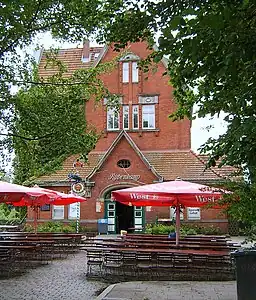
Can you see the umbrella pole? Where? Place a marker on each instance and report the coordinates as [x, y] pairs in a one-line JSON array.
[[177, 224], [35, 218]]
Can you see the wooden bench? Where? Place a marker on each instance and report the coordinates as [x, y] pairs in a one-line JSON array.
[[158, 263]]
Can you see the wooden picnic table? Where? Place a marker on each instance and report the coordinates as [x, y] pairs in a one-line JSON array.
[[141, 245], [161, 250], [158, 244], [19, 247], [158, 261], [187, 237], [181, 241], [26, 242]]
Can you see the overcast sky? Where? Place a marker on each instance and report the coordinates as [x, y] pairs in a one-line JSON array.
[[200, 127]]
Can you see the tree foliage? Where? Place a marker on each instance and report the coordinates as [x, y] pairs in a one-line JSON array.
[[210, 45], [10, 215], [211, 50], [49, 123], [22, 20], [241, 206], [45, 118]]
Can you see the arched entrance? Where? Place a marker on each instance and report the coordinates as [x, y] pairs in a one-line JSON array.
[[122, 217]]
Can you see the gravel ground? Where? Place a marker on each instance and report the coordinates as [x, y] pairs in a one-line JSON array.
[[60, 280]]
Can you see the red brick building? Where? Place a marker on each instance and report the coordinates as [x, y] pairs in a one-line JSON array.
[[138, 145]]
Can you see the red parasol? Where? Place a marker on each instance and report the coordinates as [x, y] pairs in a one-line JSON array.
[[176, 193], [10, 193], [50, 197]]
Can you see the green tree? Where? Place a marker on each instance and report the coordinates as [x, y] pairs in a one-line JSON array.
[[210, 46], [30, 119], [10, 215], [22, 20], [49, 120], [211, 50]]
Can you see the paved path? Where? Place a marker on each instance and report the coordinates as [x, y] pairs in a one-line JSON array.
[[60, 280], [65, 280], [171, 290]]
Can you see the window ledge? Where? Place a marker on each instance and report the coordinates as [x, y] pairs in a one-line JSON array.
[[112, 130], [132, 130], [146, 130]]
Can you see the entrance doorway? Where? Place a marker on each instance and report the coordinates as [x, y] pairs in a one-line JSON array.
[[123, 217]]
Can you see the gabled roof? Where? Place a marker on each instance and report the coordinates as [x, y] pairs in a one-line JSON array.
[[168, 164], [72, 59], [124, 134], [186, 165]]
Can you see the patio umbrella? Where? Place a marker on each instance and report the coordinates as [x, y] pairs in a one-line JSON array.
[[176, 193], [52, 197], [11, 193]]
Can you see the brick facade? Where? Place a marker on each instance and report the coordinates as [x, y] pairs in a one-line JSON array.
[[161, 153]]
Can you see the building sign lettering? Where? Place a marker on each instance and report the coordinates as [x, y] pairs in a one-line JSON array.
[[115, 176], [194, 213]]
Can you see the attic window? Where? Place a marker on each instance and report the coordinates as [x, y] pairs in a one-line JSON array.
[[124, 163], [86, 59], [96, 55]]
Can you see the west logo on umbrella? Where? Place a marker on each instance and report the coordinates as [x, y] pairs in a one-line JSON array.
[[176, 193]]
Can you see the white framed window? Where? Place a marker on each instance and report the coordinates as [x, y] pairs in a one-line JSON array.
[[126, 117], [125, 72], [148, 116], [135, 116], [74, 211], [112, 119], [173, 213], [58, 212], [135, 72], [194, 213]]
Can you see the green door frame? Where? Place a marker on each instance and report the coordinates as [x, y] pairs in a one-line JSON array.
[[110, 214]]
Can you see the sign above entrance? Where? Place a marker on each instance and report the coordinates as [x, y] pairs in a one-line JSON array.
[[78, 188], [115, 176]]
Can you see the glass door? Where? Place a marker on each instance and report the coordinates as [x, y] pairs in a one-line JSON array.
[[139, 221], [110, 214]]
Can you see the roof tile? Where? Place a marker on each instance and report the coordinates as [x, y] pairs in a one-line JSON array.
[[170, 165], [71, 58]]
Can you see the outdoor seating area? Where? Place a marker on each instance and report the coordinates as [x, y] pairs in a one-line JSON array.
[[156, 257], [20, 251]]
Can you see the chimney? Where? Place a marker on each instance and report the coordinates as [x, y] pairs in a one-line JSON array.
[[86, 51]]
